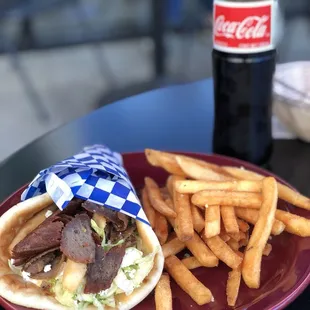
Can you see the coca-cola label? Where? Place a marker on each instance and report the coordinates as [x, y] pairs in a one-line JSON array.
[[243, 27]]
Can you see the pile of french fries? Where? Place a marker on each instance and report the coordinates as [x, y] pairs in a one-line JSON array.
[[207, 209]]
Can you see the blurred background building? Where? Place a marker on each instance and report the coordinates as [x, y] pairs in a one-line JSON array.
[[61, 59]]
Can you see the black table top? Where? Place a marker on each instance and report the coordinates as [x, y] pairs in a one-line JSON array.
[[178, 118]]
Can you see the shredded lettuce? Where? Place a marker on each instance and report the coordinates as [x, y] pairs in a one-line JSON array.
[[134, 268], [65, 297], [145, 266], [98, 230], [107, 246], [17, 270]]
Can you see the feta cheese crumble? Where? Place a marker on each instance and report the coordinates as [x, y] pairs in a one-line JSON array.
[[47, 268], [48, 213]]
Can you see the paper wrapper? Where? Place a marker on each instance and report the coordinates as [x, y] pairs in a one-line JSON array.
[[96, 174]]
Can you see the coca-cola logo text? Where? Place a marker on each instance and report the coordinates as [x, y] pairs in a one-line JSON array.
[[242, 27], [251, 27]]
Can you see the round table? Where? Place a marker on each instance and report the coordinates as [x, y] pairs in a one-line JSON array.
[[178, 118]]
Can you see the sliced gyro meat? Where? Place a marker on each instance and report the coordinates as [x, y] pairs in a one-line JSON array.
[[77, 242]]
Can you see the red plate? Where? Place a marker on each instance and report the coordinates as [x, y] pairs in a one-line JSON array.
[[285, 272]]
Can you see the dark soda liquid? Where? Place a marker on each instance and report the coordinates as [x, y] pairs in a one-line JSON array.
[[243, 105]]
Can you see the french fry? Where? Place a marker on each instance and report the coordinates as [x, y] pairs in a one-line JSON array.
[[164, 193], [284, 192], [184, 221], [223, 251], [224, 236], [161, 228], [198, 219], [170, 183], [73, 275], [155, 198], [251, 216], [200, 250], [243, 174], [243, 226], [212, 221], [233, 244], [238, 236], [30, 225], [201, 171], [232, 287], [187, 281], [293, 197], [253, 255], [294, 224], [163, 294], [229, 219], [100, 220], [244, 241], [147, 207], [191, 262], [171, 236], [194, 186], [222, 198], [267, 249], [173, 247], [169, 203], [164, 160]]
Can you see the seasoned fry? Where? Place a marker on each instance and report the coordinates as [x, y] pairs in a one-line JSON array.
[[184, 221], [173, 247], [170, 183], [229, 219], [171, 236], [163, 294], [294, 224], [199, 171], [243, 226], [284, 192], [222, 198], [164, 160], [194, 186], [200, 250], [244, 241], [161, 228], [30, 225], [164, 193], [73, 275], [261, 232], [191, 262], [156, 199], [233, 244], [147, 207], [267, 249], [223, 251], [293, 197], [233, 285], [212, 221], [251, 216], [242, 174], [187, 281], [238, 236], [198, 196], [224, 236], [169, 203], [198, 219]]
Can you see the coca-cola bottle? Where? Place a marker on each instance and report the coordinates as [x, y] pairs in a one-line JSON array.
[[243, 66]]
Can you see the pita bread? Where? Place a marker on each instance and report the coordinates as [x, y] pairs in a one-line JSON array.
[[16, 290]]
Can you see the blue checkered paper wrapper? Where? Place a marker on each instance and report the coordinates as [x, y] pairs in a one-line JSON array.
[[96, 174]]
